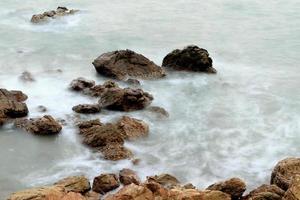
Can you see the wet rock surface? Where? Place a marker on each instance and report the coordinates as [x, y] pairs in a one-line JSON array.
[[12, 105], [191, 58], [105, 183], [45, 125], [128, 176], [52, 14], [79, 184], [87, 108], [271, 192], [124, 64]]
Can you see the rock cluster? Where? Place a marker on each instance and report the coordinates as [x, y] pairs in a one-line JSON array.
[[126, 64], [44, 17], [12, 105], [109, 138]]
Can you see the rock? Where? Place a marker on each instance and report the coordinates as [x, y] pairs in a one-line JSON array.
[[88, 124], [132, 128], [128, 176], [98, 90], [185, 194], [60, 11], [41, 193], [78, 184], [166, 180], [127, 99], [87, 108], [125, 64], [73, 196], [234, 187], [191, 58], [11, 105], [42, 109], [27, 77], [214, 195], [105, 183], [45, 125], [115, 151], [285, 171], [189, 186], [91, 195], [293, 192], [159, 111], [80, 84], [132, 192], [133, 82], [135, 161], [271, 192], [158, 190]]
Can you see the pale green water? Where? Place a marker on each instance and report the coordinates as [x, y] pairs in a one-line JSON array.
[[237, 123]]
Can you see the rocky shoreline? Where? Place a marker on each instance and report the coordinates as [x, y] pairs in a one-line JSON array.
[[108, 139]]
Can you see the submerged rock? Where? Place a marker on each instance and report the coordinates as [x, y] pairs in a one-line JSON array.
[[27, 77], [80, 84], [128, 176], [234, 187], [44, 17], [191, 58], [45, 125], [285, 171], [87, 108], [161, 112], [125, 64], [105, 183], [11, 105]]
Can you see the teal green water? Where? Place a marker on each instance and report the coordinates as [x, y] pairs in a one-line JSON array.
[[237, 123]]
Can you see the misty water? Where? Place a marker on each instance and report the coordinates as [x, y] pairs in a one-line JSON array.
[[237, 123]]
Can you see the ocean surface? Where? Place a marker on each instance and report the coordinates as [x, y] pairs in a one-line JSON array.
[[237, 123]]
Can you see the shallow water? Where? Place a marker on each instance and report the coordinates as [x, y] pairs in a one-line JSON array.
[[239, 122]]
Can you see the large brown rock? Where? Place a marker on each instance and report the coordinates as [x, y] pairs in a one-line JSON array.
[[191, 58], [271, 192], [11, 105], [127, 99], [165, 180], [128, 176], [285, 171], [78, 184], [45, 125], [41, 193], [124, 64], [131, 128], [105, 183], [132, 192], [293, 193], [234, 187], [44, 17]]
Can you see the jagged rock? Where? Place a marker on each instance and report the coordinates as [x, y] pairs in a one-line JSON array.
[[132, 128], [127, 99], [166, 180], [132, 192], [293, 192], [159, 192], [84, 125], [11, 105], [128, 176], [78, 184], [27, 77], [267, 192], [191, 58], [133, 82], [41, 193], [105, 183], [285, 171], [234, 187], [60, 11], [115, 151], [80, 84], [98, 90], [87, 108], [159, 111], [45, 125], [125, 64]]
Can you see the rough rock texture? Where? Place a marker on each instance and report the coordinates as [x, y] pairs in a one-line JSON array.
[[191, 58], [127, 99], [132, 128], [78, 184], [41, 193], [80, 84], [285, 171], [128, 176], [293, 193], [161, 112], [268, 192], [91, 195], [45, 125], [72, 196], [234, 187], [115, 152], [125, 64], [44, 17], [87, 108], [132, 192], [165, 180], [11, 105], [105, 183]]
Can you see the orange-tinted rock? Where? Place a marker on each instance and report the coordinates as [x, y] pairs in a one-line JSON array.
[[105, 183]]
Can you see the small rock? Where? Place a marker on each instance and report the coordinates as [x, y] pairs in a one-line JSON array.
[[128, 176], [41, 108], [115, 152], [158, 110], [27, 77], [87, 108], [81, 84], [133, 82], [60, 11], [268, 192], [166, 180], [132, 128], [105, 183]]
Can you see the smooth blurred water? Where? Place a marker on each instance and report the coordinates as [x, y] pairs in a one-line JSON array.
[[237, 123]]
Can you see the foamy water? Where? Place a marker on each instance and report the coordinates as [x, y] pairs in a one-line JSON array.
[[237, 123]]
